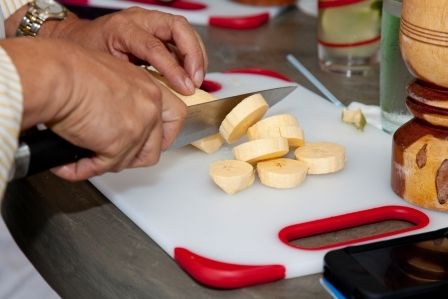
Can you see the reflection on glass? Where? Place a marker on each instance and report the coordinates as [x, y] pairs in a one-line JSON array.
[[407, 265]]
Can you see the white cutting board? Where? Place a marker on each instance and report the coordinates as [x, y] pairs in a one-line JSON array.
[[220, 13], [177, 204]]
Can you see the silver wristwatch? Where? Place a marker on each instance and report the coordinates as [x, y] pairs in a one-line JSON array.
[[38, 12]]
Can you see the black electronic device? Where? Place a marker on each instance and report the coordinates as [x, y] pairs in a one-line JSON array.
[[408, 267]]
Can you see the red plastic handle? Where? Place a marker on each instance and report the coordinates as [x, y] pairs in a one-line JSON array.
[[259, 71], [75, 2], [179, 4], [211, 86], [240, 23], [350, 220], [224, 275]]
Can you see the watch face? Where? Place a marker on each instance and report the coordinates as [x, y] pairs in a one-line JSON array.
[[50, 6]]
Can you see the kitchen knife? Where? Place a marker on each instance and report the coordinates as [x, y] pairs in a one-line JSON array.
[[41, 150]]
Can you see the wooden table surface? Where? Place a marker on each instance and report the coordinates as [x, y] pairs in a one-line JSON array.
[[86, 248]]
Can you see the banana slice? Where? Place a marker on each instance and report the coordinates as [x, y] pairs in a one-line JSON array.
[[209, 144], [276, 121], [232, 176], [322, 157], [198, 97], [242, 116], [261, 149], [294, 134], [282, 173]]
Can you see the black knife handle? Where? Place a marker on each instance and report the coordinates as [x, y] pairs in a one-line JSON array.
[[48, 150]]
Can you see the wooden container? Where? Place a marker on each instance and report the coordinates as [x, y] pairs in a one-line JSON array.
[[424, 39], [420, 149]]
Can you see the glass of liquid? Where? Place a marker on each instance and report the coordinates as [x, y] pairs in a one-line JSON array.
[[394, 76], [349, 35]]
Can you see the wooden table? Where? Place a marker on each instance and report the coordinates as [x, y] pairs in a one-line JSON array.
[[86, 248]]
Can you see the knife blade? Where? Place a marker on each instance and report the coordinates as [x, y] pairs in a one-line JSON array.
[[204, 119], [40, 150]]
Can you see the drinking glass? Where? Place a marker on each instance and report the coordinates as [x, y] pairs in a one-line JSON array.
[[394, 75], [349, 35]]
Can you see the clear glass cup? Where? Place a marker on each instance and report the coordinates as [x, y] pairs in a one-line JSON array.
[[394, 75], [349, 35]]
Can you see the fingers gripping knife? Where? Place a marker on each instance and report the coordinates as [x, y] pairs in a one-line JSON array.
[[41, 150]]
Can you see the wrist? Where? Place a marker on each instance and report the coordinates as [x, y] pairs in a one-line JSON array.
[[59, 28], [45, 18], [50, 28]]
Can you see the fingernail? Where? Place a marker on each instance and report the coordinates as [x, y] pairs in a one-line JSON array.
[[189, 84], [198, 77]]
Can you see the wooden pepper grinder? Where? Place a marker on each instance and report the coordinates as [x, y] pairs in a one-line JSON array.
[[420, 147]]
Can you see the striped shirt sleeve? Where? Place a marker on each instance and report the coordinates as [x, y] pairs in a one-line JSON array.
[[11, 106], [8, 7]]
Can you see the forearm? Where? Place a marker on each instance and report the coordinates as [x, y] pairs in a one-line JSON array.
[[135, 34]]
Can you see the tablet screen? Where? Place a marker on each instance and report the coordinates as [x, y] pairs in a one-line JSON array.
[[407, 265]]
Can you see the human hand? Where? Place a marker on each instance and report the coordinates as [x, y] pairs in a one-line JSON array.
[[97, 102], [167, 42]]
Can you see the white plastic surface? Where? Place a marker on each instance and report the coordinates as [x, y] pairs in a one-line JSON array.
[[178, 205], [215, 8]]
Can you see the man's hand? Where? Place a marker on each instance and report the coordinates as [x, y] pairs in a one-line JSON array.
[[168, 42], [95, 101]]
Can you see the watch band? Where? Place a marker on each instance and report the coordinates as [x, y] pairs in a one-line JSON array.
[[30, 24], [38, 12]]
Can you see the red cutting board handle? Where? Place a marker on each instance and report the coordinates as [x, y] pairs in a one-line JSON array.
[[224, 275], [259, 71], [179, 4], [240, 23], [213, 86], [413, 216], [230, 22]]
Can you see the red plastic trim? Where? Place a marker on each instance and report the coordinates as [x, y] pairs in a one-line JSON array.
[[259, 71], [348, 45], [180, 4], [337, 3], [221, 275], [350, 220], [210, 86], [241, 23], [75, 2]]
